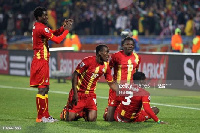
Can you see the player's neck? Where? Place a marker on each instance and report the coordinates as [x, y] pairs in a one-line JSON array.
[[99, 61], [128, 54]]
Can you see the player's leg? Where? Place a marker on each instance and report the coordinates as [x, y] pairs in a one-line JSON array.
[[72, 110], [112, 107], [40, 102], [105, 114], [110, 113], [82, 114], [92, 115], [112, 104], [70, 116], [91, 106], [39, 78], [46, 112], [63, 113]]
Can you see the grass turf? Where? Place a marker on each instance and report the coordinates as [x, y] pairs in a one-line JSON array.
[[181, 109]]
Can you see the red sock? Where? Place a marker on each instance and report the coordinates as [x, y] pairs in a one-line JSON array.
[[40, 103], [46, 112]]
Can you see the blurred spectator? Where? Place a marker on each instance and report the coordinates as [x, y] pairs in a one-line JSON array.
[[176, 41], [189, 29], [102, 17], [196, 43], [141, 25], [19, 24], [121, 22], [3, 41], [197, 22]]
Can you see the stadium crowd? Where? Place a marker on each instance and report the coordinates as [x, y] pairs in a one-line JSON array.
[[104, 17]]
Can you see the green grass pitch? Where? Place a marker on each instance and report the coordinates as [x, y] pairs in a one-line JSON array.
[[181, 109]]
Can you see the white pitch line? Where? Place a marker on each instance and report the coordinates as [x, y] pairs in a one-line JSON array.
[[61, 92]]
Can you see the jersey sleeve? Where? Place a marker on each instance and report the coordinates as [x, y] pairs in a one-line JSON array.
[[82, 66], [107, 74], [58, 31], [147, 108], [50, 36], [46, 32]]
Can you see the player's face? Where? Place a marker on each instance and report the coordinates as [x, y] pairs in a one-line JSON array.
[[44, 18], [128, 47], [104, 54]]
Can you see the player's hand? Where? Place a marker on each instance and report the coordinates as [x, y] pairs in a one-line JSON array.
[[68, 24], [74, 99], [162, 122]]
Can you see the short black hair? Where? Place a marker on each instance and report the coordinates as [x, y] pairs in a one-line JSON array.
[[127, 38], [39, 11], [139, 76], [100, 48]]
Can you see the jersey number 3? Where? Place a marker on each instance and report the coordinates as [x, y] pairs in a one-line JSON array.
[[128, 98]]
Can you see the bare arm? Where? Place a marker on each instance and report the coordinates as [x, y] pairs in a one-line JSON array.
[[74, 84], [113, 85]]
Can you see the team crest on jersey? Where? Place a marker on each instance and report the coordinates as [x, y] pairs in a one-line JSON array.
[[47, 30], [149, 98], [104, 70], [82, 64]]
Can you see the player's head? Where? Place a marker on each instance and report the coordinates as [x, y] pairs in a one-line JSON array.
[[177, 31], [128, 45], [40, 14], [139, 78], [155, 110], [102, 53]]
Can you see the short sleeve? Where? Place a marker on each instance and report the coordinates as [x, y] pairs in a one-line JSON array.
[[47, 33], [82, 66]]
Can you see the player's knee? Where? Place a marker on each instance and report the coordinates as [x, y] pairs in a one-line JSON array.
[[70, 116], [110, 114], [92, 119], [110, 118], [92, 115], [42, 90]]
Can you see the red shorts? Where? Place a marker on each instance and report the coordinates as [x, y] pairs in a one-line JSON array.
[[113, 100], [85, 101], [140, 117], [39, 72]]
